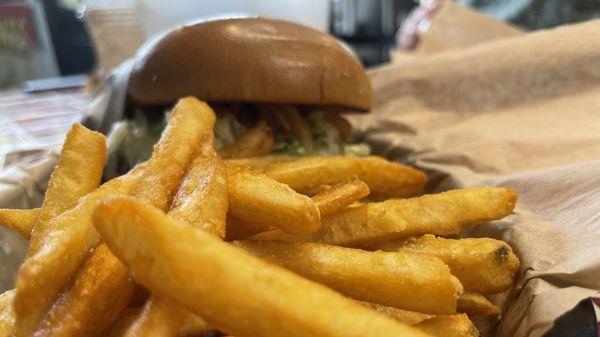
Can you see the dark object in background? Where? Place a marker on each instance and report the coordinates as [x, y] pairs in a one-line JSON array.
[[73, 47], [580, 321], [538, 14], [369, 26]]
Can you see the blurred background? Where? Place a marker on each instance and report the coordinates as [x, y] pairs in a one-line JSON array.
[[55, 53], [51, 38]]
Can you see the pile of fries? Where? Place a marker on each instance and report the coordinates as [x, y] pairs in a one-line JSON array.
[[187, 242]]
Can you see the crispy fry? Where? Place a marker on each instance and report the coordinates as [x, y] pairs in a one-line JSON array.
[[385, 179], [240, 229], [90, 306], [172, 258], [190, 120], [161, 317], [449, 326], [202, 197], [337, 197], [202, 202], [260, 163], [78, 172], [472, 303], [259, 199], [408, 281], [483, 265], [67, 244], [194, 325], [276, 235], [148, 191], [404, 316], [7, 313], [19, 220], [441, 214], [257, 141], [124, 321], [72, 236]]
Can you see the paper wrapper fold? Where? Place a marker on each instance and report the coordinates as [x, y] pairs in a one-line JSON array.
[[521, 112]]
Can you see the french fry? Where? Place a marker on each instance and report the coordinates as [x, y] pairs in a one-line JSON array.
[[101, 289], [189, 122], [407, 281], [161, 317], [7, 313], [211, 278], [19, 220], [385, 179], [257, 141], [260, 163], [472, 303], [202, 198], [67, 244], [483, 265], [337, 197], [202, 202], [261, 200], [275, 235], [241, 229], [449, 326], [441, 214], [193, 326], [78, 172], [71, 235], [404, 316], [124, 321]]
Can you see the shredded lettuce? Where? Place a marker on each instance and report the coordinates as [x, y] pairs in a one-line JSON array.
[[133, 139], [227, 130]]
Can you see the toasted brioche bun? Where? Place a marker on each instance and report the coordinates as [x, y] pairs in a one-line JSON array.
[[249, 60]]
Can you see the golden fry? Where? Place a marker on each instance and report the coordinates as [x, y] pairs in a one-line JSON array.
[[337, 197], [259, 163], [189, 122], [19, 220], [202, 202], [161, 317], [472, 303], [404, 316], [245, 296], [275, 235], [78, 172], [67, 244], [257, 141], [483, 265], [258, 199], [202, 198], [124, 321], [7, 313], [449, 326], [72, 236], [90, 306], [441, 214], [407, 281], [193, 326], [385, 179]]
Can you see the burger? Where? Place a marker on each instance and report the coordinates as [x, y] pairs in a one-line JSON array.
[[294, 80]]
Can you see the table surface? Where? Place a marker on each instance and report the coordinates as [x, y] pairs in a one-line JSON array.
[[33, 121]]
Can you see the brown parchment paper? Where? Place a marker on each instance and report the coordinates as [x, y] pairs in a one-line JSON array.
[[522, 112], [454, 26]]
